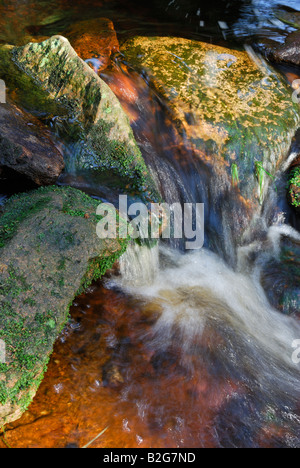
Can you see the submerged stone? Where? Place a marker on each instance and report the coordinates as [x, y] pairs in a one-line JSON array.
[[236, 111], [281, 279], [49, 253], [94, 41], [51, 79]]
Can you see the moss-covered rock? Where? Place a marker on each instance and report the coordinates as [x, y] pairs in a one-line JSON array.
[[49, 253], [236, 111], [50, 78]]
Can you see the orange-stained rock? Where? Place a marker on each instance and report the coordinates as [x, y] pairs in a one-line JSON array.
[[94, 39]]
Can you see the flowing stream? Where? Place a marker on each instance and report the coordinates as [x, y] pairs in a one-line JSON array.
[[178, 349]]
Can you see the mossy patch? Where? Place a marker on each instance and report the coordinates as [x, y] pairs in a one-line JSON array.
[[121, 159], [294, 187]]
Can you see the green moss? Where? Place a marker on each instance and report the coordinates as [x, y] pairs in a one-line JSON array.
[[124, 161], [99, 266], [27, 90], [15, 213], [13, 285], [28, 351], [294, 181]]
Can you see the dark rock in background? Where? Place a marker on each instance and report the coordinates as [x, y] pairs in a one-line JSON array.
[[26, 147]]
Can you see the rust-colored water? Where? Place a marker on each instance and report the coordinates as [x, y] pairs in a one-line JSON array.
[[105, 373]]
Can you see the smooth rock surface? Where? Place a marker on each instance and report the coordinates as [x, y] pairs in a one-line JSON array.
[[290, 51], [26, 147]]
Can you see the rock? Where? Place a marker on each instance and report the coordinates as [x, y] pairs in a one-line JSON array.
[[26, 147], [281, 279], [94, 39], [49, 253], [236, 111], [289, 17], [111, 375], [49, 77], [290, 51], [294, 188], [15, 18]]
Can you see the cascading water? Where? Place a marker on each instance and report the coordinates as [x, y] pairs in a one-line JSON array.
[[224, 320], [197, 290], [139, 265]]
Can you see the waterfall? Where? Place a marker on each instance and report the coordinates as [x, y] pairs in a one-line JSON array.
[[198, 292], [139, 265]]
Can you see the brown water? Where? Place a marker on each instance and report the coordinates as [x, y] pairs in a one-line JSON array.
[[199, 358], [103, 373]]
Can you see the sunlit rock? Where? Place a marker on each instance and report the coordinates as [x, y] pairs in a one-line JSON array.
[[235, 110]]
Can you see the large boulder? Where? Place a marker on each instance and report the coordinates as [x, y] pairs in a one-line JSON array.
[[26, 147], [49, 253], [51, 79], [236, 111]]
